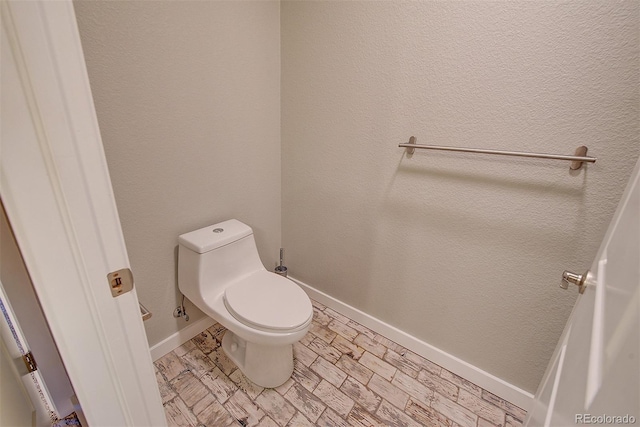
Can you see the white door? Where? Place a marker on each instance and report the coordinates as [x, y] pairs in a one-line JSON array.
[[594, 374], [55, 186]]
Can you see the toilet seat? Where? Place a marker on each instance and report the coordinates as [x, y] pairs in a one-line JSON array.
[[267, 301]]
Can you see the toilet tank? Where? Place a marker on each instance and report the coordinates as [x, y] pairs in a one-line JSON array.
[[211, 258]]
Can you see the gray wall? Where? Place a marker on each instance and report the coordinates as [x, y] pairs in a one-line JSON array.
[[188, 101], [462, 251]]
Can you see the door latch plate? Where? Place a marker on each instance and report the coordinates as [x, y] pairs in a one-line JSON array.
[[120, 281]]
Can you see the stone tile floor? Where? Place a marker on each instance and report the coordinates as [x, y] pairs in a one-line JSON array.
[[344, 375]]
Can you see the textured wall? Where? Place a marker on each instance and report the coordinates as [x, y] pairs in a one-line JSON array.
[[188, 101], [462, 251]]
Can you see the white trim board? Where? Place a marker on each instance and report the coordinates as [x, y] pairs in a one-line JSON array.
[[489, 382], [174, 341]]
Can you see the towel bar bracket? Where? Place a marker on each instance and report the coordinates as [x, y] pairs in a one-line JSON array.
[[411, 150], [581, 151]]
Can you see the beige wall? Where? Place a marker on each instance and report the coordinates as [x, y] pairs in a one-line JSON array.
[[188, 101], [462, 251]]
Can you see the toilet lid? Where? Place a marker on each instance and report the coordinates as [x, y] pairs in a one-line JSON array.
[[268, 301]]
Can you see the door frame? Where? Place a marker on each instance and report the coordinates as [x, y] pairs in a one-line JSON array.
[[58, 197], [30, 384]]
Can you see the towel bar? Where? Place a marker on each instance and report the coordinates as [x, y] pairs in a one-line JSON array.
[[576, 160]]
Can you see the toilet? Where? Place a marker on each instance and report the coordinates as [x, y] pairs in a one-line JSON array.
[[220, 271]]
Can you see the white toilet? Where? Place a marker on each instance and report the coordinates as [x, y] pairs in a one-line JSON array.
[[220, 271]]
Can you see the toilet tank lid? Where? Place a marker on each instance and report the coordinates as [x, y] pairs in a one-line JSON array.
[[214, 236]]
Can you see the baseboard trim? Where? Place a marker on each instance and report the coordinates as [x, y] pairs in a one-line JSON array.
[[183, 335], [487, 381]]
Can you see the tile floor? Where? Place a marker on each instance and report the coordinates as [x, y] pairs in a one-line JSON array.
[[344, 375]]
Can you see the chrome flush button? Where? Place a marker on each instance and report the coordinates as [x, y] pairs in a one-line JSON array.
[[218, 230]]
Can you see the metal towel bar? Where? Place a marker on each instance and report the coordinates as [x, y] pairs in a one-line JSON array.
[[576, 160]]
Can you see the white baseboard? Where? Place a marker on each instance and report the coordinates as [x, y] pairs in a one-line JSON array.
[[489, 382], [183, 335]]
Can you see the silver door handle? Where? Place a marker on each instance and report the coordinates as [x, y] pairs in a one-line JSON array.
[[576, 279]]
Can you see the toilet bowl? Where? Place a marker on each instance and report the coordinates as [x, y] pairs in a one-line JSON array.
[[220, 271]]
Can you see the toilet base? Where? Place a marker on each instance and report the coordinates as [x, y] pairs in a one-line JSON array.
[[265, 365]]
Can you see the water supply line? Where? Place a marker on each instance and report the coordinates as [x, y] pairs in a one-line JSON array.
[[180, 311]]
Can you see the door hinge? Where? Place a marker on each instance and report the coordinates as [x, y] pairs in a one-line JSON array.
[[30, 362], [120, 282]]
